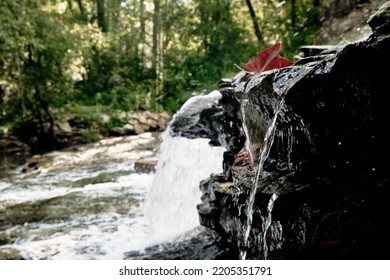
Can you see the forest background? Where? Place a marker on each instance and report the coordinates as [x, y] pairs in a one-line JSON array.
[[81, 59]]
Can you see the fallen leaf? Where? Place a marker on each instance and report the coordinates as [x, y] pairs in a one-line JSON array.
[[267, 59]]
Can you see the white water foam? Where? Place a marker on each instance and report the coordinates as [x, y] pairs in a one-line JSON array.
[[108, 234], [171, 204], [92, 236]]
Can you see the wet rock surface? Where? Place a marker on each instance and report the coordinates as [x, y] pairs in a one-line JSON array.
[[380, 21], [202, 244], [215, 118], [147, 165], [141, 122], [323, 188]]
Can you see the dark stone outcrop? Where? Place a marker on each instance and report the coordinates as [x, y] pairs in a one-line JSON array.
[[11, 145], [203, 244], [213, 116], [327, 164], [380, 21]]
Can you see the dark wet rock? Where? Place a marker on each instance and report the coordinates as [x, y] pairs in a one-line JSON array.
[[30, 167], [202, 244], [215, 118], [225, 83], [145, 165], [324, 187], [189, 113], [380, 21], [10, 162], [11, 145], [312, 50], [13, 153]]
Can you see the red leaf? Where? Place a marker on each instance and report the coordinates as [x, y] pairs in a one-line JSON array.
[[267, 59]]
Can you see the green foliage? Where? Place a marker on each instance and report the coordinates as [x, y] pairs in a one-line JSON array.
[[222, 40], [277, 23], [35, 56], [53, 54], [90, 136]]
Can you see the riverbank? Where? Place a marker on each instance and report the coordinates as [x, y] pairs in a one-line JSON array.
[[73, 130], [120, 148]]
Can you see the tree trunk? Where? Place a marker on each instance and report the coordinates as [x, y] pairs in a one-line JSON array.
[[142, 34], [293, 14], [70, 5], [102, 23], [156, 30], [20, 83], [47, 137], [255, 21], [157, 47], [45, 106], [82, 10]]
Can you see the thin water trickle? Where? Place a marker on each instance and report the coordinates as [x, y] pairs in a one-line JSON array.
[[264, 153], [284, 80], [267, 223]]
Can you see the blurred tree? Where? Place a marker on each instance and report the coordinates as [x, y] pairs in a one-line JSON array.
[[158, 62], [222, 43], [142, 33], [34, 54], [83, 14], [133, 54], [255, 21], [101, 15]]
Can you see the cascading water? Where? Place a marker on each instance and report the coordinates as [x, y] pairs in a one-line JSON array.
[[170, 206], [264, 153], [260, 133], [92, 208]]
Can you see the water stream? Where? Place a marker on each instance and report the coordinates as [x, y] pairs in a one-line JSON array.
[[264, 153], [170, 206], [260, 135], [88, 202]]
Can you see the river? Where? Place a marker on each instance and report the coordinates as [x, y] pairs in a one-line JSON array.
[[87, 202]]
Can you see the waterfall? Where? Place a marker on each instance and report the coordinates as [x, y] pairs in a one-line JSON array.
[[170, 207]]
